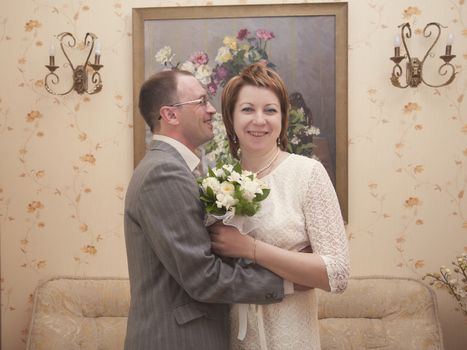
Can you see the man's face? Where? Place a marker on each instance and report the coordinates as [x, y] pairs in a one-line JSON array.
[[195, 118]]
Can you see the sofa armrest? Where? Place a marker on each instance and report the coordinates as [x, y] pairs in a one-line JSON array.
[[79, 313], [380, 312]]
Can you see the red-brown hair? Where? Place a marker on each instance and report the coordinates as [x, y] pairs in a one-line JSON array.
[[256, 74]]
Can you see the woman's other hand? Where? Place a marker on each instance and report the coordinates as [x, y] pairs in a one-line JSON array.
[[228, 241]]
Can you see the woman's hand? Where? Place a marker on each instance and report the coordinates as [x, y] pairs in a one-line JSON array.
[[228, 241]]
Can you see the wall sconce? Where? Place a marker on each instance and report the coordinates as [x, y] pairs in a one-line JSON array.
[[80, 73], [414, 67]]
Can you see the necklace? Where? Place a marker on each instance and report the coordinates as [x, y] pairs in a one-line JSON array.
[[268, 165]]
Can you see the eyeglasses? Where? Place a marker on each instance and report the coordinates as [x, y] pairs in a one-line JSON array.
[[202, 101]]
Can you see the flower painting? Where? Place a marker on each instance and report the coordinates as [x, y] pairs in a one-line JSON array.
[[236, 53], [300, 44]]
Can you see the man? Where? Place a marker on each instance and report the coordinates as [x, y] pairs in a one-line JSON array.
[[179, 289]]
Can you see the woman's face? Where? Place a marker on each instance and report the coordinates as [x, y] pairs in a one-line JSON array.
[[257, 119]]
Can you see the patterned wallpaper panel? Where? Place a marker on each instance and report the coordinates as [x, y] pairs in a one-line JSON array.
[[66, 160]]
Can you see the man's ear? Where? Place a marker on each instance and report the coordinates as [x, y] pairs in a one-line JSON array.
[[169, 115]]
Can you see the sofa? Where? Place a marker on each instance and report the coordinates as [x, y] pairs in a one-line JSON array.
[[375, 312]]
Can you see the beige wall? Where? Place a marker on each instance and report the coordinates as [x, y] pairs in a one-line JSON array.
[[66, 161]]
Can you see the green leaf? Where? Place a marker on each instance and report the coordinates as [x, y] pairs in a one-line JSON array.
[[237, 168], [211, 172], [210, 192], [262, 197], [217, 211]]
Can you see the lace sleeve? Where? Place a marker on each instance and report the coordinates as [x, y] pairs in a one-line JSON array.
[[325, 227]]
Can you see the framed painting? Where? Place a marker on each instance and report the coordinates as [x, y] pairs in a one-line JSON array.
[[305, 43]]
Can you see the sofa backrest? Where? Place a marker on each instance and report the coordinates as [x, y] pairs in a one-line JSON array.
[[373, 313]]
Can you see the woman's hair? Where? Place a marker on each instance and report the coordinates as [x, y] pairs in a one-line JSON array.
[[256, 74]]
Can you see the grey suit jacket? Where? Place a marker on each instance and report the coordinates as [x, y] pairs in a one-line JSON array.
[[179, 289]]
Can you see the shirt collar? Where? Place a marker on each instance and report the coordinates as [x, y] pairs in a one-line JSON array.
[[188, 156]]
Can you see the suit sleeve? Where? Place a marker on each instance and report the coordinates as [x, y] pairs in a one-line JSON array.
[[171, 215]]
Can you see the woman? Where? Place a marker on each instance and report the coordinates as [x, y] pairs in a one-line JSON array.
[[301, 210]]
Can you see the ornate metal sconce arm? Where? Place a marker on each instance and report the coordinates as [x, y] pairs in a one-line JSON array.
[[427, 34], [443, 70], [97, 81], [396, 73], [89, 39], [414, 67], [54, 79], [80, 73], [406, 32]]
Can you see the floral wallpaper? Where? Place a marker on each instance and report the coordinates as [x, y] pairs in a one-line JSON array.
[[66, 160]]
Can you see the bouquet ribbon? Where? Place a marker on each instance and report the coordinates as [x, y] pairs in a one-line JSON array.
[[243, 312], [244, 224], [243, 321]]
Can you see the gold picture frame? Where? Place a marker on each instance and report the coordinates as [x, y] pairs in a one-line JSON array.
[[324, 25]]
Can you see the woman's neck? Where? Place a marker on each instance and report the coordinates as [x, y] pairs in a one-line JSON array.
[[259, 161]]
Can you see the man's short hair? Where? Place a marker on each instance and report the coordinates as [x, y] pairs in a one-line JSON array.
[[158, 90]]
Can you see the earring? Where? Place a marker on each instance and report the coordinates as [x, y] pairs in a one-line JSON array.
[[278, 141], [235, 139]]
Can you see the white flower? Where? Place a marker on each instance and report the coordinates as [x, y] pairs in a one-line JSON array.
[[247, 173], [164, 55], [250, 188], [203, 74], [211, 182], [235, 177], [227, 188], [225, 200], [219, 172], [312, 130], [294, 140], [228, 167], [223, 55], [188, 66]]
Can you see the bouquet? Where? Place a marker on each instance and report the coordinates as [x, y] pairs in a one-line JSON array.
[[455, 285], [231, 194]]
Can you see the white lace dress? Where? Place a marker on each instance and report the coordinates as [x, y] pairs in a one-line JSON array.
[[302, 208]]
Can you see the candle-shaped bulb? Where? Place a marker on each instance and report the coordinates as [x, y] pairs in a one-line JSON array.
[[397, 41], [97, 51], [52, 55], [52, 50], [397, 46], [450, 39]]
